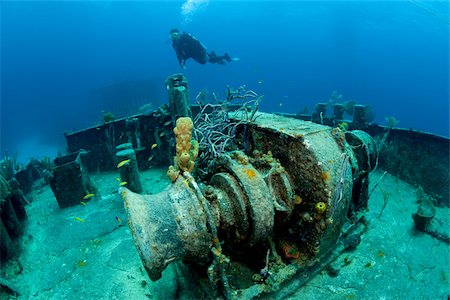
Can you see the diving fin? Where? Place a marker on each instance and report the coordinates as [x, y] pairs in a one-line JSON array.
[[229, 58]]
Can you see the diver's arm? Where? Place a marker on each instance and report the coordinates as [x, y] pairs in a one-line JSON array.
[[181, 61], [179, 53]]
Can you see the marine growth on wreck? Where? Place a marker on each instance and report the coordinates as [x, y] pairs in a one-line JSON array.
[[220, 200]]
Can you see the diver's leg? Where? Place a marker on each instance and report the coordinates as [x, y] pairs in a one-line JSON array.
[[213, 58]]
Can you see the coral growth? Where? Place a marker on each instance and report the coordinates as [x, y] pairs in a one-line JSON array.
[[320, 207], [108, 117], [250, 173], [290, 251], [187, 149], [325, 175]]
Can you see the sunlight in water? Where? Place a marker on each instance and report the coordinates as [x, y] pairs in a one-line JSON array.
[[190, 7], [436, 9]]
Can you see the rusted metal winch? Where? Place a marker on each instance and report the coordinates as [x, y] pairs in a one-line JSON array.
[[288, 194]]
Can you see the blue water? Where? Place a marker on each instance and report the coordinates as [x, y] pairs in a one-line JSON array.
[[393, 55]]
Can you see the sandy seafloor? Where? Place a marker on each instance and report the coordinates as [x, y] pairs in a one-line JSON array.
[[62, 258]]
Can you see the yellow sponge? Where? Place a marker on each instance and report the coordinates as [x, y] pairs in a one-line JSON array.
[[187, 149]]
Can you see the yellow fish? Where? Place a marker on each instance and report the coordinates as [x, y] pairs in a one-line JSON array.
[[162, 134], [118, 220], [83, 203], [118, 179], [186, 182], [154, 146], [88, 196], [123, 163], [79, 220], [151, 157], [123, 183]]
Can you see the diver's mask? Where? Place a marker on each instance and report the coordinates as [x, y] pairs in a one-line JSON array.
[[174, 36]]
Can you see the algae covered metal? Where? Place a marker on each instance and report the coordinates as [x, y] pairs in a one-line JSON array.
[[262, 214]]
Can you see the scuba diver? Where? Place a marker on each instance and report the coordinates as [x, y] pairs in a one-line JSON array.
[[186, 46]]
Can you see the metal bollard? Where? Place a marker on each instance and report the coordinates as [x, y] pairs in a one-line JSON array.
[[129, 171]]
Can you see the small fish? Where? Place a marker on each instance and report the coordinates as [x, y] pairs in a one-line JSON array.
[[118, 179], [151, 157], [79, 220], [83, 203], [123, 163], [118, 220], [154, 146], [162, 134], [168, 123], [88, 196], [123, 183], [186, 182], [260, 81]]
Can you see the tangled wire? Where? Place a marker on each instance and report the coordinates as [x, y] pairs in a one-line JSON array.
[[214, 129]]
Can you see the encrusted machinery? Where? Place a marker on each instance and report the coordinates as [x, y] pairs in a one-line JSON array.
[[273, 209], [12, 217]]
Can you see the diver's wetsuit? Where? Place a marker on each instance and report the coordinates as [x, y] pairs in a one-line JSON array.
[[189, 47]]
